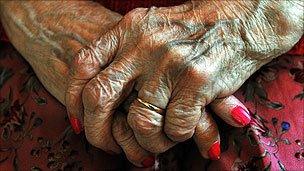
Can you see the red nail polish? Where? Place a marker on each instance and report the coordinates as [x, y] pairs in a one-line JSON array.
[[76, 125], [148, 162], [215, 151], [240, 115]]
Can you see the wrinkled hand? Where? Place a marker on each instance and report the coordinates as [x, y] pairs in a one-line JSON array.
[[123, 134], [87, 65], [179, 59]]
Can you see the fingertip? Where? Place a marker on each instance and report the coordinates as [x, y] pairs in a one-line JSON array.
[[76, 125], [207, 137], [240, 115], [148, 162], [214, 151], [232, 111]]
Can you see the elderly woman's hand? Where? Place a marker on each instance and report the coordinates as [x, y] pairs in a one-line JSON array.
[[179, 59], [86, 65], [206, 136]]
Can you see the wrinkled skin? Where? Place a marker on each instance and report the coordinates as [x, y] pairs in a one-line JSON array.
[[179, 59], [206, 131], [50, 55]]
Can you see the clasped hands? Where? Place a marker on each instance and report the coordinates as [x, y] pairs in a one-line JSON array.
[[178, 59]]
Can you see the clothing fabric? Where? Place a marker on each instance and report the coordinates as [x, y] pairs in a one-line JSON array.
[[35, 132]]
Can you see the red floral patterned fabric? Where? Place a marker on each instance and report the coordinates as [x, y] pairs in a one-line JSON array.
[[35, 134]]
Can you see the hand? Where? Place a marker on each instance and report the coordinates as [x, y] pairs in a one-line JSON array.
[[123, 134], [86, 65], [183, 52]]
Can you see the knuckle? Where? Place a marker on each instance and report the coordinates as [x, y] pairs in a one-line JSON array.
[[85, 65], [196, 72], [180, 127], [135, 14], [140, 124], [180, 48], [86, 57]]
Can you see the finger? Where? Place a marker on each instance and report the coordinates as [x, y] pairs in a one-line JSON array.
[[146, 122], [207, 137], [148, 128], [100, 97], [86, 64], [124, 136], [184, 109], [232, 111], [80, 74]]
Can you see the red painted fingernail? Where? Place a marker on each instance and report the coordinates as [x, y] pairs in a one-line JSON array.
[[76, 125], [148, 162], [240, 115], [215, 151]]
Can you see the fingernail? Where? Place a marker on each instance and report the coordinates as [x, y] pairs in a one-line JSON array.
[[76, 125], [215, 151], [240, 115], [148, 162]]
